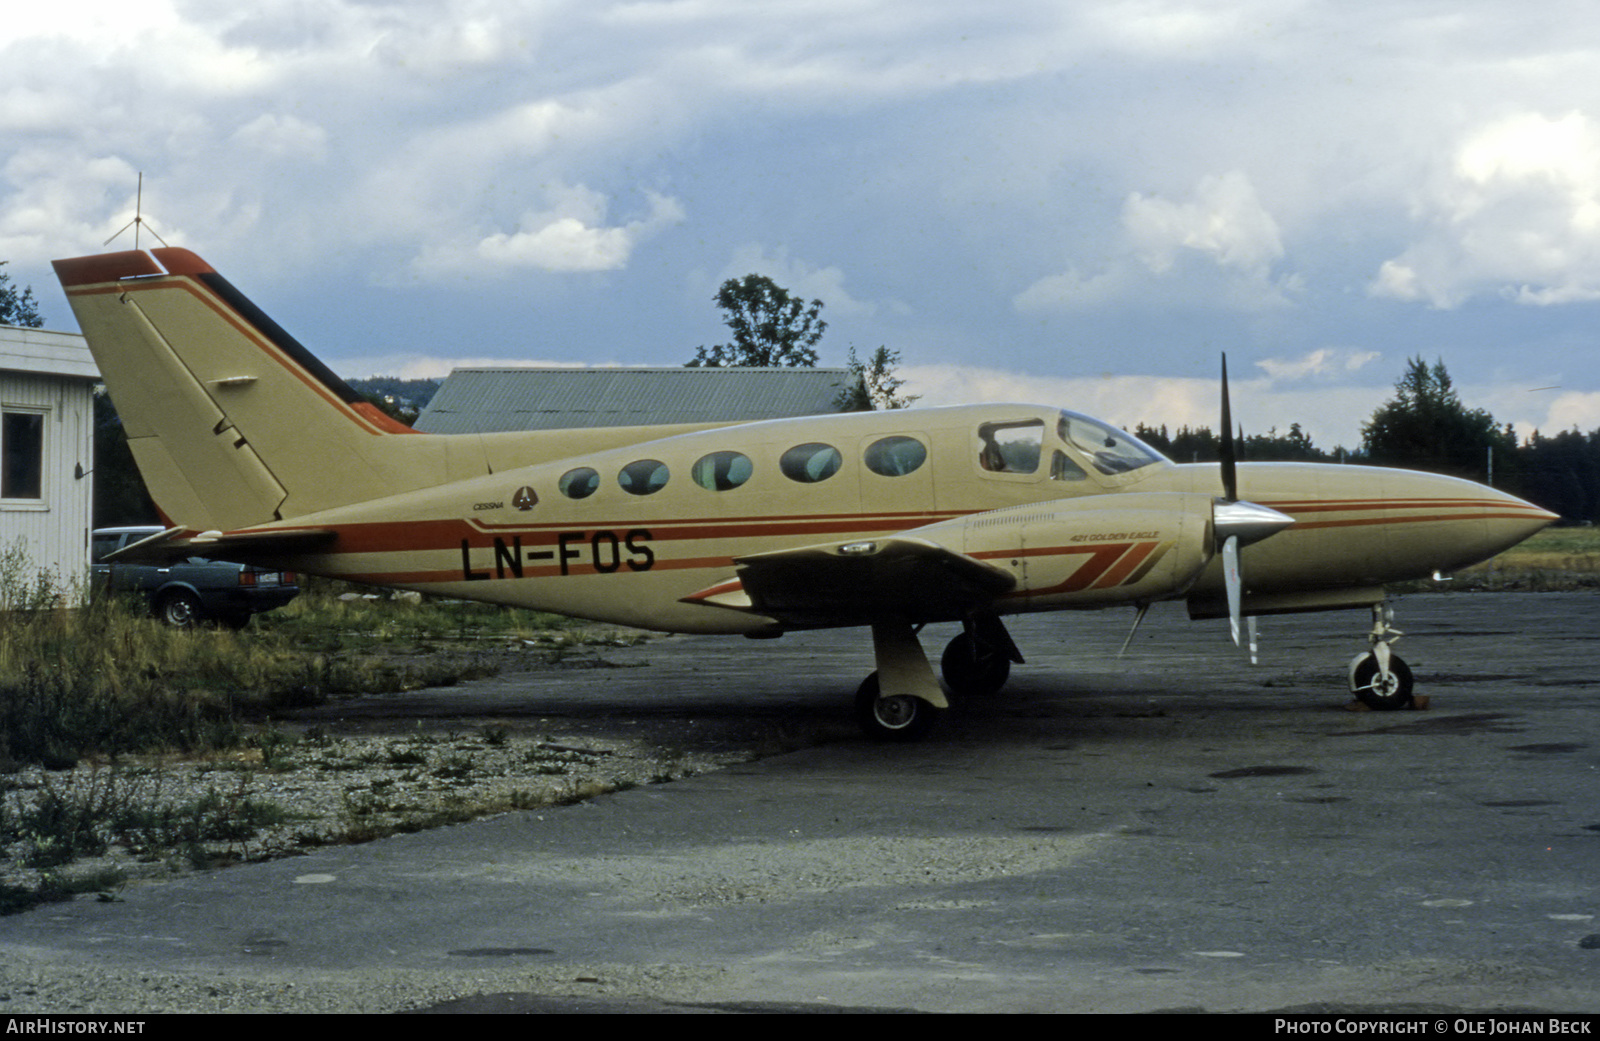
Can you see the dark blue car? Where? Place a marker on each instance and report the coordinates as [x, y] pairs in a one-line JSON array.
[[191, 592]]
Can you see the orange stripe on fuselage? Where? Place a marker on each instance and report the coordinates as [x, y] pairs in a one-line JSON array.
[[422, 536]]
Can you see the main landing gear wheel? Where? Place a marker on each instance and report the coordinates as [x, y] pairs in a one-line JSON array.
[[898, 718], [973, 669], [1379, 692]]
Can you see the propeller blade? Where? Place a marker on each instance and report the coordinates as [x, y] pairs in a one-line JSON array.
[[1233, 583], [1226, 450]]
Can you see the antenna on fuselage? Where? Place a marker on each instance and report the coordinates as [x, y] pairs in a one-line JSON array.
[[138, 219]]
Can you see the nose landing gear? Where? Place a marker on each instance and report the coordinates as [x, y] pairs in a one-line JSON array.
[[1379, 679]]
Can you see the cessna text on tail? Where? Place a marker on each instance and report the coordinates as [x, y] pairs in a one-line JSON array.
[[255, 451]]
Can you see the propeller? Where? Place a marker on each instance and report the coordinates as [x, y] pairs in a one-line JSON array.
[[1238, 523]]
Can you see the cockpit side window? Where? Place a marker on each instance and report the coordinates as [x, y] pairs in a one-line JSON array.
[[1062, 468], [1011, 448], [1109, 450]]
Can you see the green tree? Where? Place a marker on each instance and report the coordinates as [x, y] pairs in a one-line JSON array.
[[1201, 445], [770, 327], [1426, 427], [18, 308], [874, 384], [119, 493], [1294, 447]]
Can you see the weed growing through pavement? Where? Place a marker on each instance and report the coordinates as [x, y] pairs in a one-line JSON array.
[[47, 823]]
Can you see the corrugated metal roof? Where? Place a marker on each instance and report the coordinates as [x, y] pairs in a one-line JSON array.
[[45, 352], [483, 400]]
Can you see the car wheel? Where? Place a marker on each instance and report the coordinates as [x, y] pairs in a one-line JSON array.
[[180, 610]]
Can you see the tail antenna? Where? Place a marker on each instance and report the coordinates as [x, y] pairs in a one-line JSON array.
[[138, 219]]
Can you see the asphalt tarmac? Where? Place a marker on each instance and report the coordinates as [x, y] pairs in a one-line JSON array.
[[1172, 830]]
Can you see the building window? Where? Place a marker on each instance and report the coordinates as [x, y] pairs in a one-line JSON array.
[[22, 455]]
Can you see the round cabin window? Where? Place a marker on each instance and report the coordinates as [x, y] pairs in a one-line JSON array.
[[895, 456], [643, 476], [720, 471], [579, 483], [810, 463]]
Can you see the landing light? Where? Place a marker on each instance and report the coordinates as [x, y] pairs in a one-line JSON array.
[[856, 549]]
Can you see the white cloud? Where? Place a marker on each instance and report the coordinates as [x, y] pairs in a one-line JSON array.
[[1516, 215], [1139, 176], [1323, 363], [1217, 248], [283, 137], [1073, 290], [569, 236], [66, 204], [1527, 407], [1572, 410], [798, 277], [1224, 221], [87, 20]]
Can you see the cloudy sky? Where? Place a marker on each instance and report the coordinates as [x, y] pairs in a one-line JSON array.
[[1072, 202]]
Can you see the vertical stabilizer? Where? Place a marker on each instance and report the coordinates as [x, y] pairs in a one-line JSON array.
[[233, 423]]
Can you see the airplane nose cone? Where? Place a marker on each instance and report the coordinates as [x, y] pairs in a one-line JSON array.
[[1458, 523]]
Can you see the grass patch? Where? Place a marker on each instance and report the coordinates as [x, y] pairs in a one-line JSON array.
[[109, 680], [1553, 560]]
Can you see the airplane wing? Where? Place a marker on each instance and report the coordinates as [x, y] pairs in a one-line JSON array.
[[862, 580]]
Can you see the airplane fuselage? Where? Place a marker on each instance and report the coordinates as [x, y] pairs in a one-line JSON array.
[[629, 535]]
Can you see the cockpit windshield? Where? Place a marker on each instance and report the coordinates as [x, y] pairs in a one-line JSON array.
[[1111, 451]]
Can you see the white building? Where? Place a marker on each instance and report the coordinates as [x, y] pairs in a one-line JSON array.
[[46, 451]]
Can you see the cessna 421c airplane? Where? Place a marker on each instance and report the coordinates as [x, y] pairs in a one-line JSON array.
[[253, 450]]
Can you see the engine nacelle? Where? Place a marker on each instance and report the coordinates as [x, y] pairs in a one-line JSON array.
[[1090, 551]]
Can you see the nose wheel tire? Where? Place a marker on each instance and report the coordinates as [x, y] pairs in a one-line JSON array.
[[897, 718], [1377, 692]]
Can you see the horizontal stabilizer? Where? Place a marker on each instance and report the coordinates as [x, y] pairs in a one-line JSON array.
[[244, 546]]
